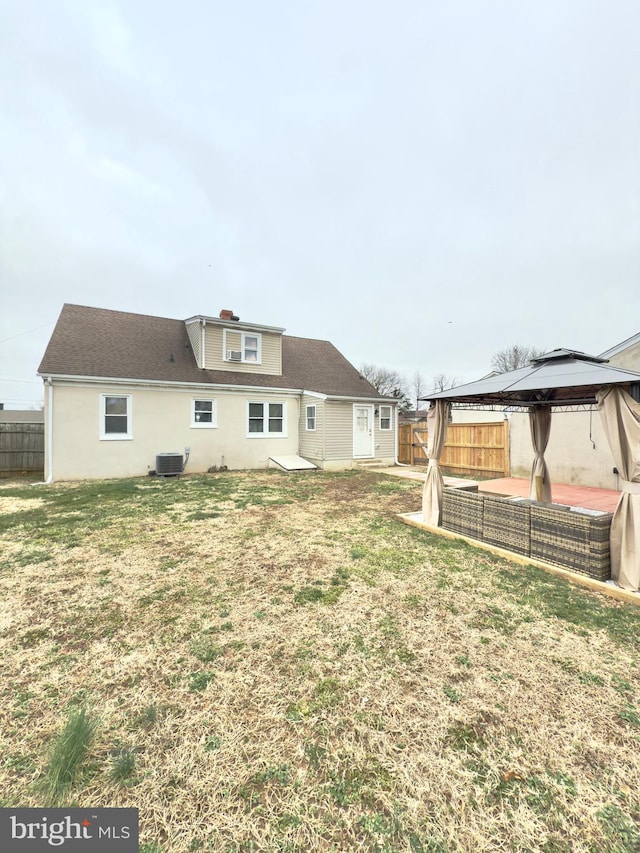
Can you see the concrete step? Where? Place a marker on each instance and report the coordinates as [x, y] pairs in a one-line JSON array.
[[370, 463]]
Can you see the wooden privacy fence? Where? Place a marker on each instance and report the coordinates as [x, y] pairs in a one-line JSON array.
[[21, 449], [477, 450]]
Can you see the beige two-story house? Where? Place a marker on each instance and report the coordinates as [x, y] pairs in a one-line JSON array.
[[127, 394]]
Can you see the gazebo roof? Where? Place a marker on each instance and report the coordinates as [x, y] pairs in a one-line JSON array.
[[560, 378]]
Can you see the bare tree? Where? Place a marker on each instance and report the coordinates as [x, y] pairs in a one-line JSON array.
[[387, 382], [442, 382], [419, 387], [514, 357]]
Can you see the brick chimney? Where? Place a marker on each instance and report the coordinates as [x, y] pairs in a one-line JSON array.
[[225, 314]]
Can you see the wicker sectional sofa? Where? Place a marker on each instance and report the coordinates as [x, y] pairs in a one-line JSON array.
[[570, 537]]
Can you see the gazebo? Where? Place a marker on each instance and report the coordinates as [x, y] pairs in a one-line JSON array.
[[557, 381]]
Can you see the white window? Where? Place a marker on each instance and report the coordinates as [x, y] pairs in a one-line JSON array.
[[267, 419], [311, 417], [386, 417], [251, 348], [115, 417], [242, 347], [204, 414]]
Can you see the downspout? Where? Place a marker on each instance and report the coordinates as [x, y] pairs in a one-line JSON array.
[[49, 384], [202, 342]]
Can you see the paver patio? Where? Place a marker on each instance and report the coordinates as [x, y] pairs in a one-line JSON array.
[[588, 497]]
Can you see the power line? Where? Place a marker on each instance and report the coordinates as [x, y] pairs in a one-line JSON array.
[[28, 332], [20, 381]]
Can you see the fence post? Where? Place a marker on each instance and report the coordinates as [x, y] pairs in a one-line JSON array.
[[506, 440]]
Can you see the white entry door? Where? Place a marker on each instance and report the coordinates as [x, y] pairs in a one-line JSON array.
[[362, 431]]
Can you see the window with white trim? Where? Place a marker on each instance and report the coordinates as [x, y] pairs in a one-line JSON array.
[[204, 414], [386, 417], [242, 347], [115, 417], [251, 348], [268, 419], [311, 417]]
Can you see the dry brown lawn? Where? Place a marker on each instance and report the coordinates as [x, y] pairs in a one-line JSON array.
[[275, 663]]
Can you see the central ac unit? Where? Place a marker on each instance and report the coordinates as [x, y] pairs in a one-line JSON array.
[[234, 355], [169, 464]]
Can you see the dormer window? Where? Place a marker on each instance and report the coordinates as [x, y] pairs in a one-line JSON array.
[[251, 348], [242, 347]]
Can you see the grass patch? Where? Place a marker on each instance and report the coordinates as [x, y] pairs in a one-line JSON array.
[[552, 597], [621, 831], [200, 680], [321, 592], [205, 649], [68, 752], [123, 765]]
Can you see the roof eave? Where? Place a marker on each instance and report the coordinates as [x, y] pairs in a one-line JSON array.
[[165, 383], [621, 347], [235, 324], [356, 398]]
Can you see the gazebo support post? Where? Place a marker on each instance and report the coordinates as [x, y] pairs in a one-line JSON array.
[[437, 420], [620, 415], [540, 424]]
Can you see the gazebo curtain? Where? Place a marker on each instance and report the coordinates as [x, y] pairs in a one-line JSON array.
[[620, 415], [437, 420], [540, 424]]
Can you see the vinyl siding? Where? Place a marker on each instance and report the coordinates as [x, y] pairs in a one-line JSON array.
[[385, 440], [217, 342], [312, 443], [338, 430], [629, 358], [339, 433], [195, 336]]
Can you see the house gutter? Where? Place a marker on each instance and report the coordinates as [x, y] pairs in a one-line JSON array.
[[235, 324], [351, 398], [162, 383], [215, 386]]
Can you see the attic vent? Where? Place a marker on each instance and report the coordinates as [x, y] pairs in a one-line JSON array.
[[169, 464], [234, 355]]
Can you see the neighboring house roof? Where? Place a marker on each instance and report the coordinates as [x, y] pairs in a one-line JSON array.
[[99, 343], [414, 415], [623, 345], [20, 416]]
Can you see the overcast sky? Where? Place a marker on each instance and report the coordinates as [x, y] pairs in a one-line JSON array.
[[422, 183]]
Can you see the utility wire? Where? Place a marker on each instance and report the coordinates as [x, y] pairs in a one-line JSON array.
[[28, 332]]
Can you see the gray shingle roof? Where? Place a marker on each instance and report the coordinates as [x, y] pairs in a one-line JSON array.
[[96, 342]]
